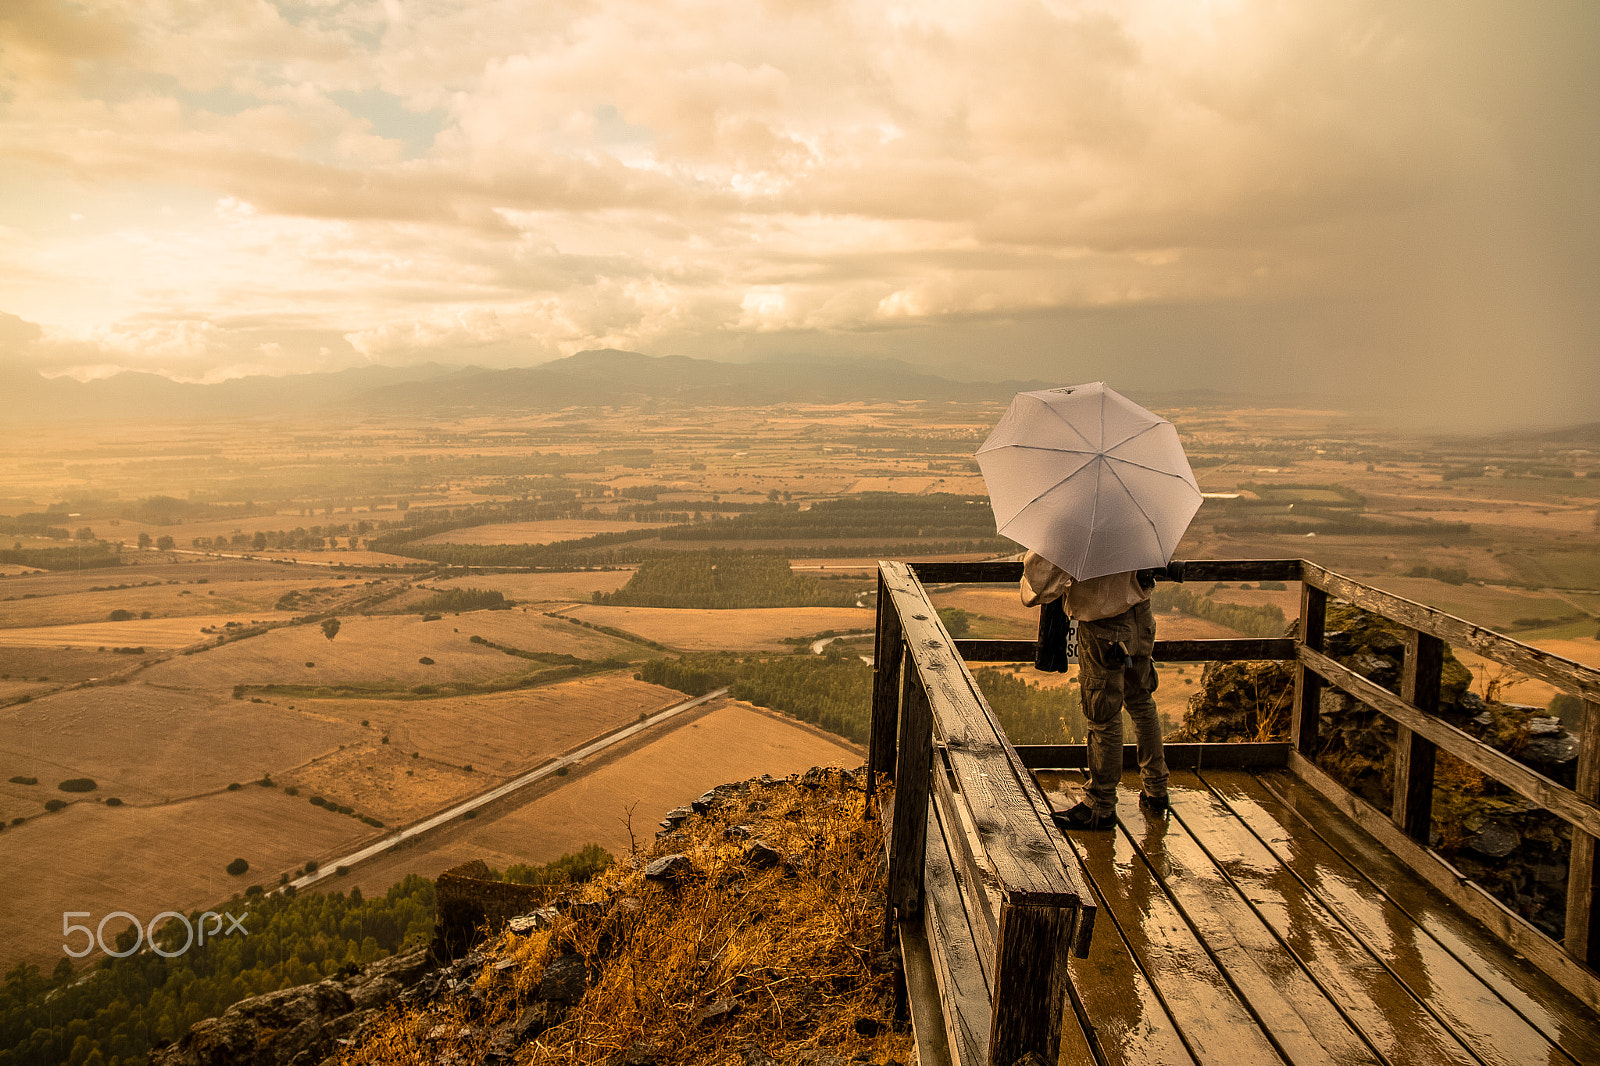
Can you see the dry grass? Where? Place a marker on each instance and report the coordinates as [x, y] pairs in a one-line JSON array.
[[155, 633], [145, 860], [792, 946]]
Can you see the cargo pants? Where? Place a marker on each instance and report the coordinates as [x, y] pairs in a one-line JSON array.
[[1115, 671]]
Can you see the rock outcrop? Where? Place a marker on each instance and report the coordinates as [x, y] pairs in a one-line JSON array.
[[301, 1026]]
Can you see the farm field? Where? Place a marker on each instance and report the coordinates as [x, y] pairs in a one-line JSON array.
[[730, 742], [59, 861], [711, 630], [167, 732], [535, 532]]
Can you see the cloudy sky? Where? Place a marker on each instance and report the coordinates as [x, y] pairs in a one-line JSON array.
[[1393, 200]]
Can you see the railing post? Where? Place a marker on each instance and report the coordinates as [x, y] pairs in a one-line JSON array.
[[1411, 809], [1307, 685], [912, 777], [887, 658], [1583, 879], [1031, 977]]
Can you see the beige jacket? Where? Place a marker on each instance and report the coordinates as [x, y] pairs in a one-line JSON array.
[[1087, 601]]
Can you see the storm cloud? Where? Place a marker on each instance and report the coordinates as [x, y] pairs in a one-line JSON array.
[[1388, 205]]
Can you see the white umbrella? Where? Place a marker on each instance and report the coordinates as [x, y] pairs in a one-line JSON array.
[[1089, 480]]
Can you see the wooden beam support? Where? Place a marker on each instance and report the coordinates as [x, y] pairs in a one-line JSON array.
[[1307, 709], [1553, 797], [888, 654], [1583, 878], [1414, 756], [1166, 651], [908, 834], [1030, 955]]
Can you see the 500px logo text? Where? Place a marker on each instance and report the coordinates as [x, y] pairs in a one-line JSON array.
[[141, 933]]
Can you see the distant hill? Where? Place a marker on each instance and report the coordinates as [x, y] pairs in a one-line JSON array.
[[588, 379], [29, 397], [609, 376]]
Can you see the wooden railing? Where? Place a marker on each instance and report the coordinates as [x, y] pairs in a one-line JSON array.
[[982, 888]]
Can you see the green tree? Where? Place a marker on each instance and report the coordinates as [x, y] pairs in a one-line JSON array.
[[144, 540], [166, 543], [330, 627]]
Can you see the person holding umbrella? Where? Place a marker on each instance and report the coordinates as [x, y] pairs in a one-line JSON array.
[[1100, 492]]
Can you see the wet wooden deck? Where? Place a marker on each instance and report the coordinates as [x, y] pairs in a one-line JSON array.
[[1256, 924]]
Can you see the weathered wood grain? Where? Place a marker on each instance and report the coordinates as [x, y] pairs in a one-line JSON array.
[[1166, 651], [913, 767], [1583, 874], [1563, 673], [1507, 1012], [1306, 713], [922, 996], [1414, 756], [1555, 798], [1254, 755], [888, 653], [1008, 818], [1031, 956], [1511, 928], [964, 991]]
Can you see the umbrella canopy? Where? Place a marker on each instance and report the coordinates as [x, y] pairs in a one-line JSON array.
[[1089, 480]]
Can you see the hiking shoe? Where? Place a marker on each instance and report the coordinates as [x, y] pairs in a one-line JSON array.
[[1083, 817], [1154, 803]]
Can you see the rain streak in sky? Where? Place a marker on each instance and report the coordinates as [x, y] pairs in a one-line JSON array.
[[1390, 204]]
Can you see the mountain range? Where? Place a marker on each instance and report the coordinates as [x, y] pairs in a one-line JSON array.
[[588, 379]]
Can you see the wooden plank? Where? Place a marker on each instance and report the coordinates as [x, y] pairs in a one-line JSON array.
[[1504, 1010], [934, 573], [1261, 755], [1563, 673], [1557, 799], [1583, 873], [1174, 973], [1025, 853], [1241, 570], [1166, 651], [1288, 1004], [1306, 712], [1030, 987], [1414, 756], [913, 767], [975, 879], [888, 653], [922, 995], [964, 992], [1510, 927], [938, 573], [1367, 992]]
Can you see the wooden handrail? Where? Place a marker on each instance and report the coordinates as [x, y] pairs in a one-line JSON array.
[[966, 740]]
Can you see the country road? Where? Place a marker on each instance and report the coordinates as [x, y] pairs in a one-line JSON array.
[[458, 810]]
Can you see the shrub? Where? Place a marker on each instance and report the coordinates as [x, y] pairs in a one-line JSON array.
[[120, 615], [292, 790], [237, 867], [234, 786], [20, 780], [425, 661], [55, 805], [78, 784], [318, 801], [310, 664], [341, 870], [311, 866], [112, 801]]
